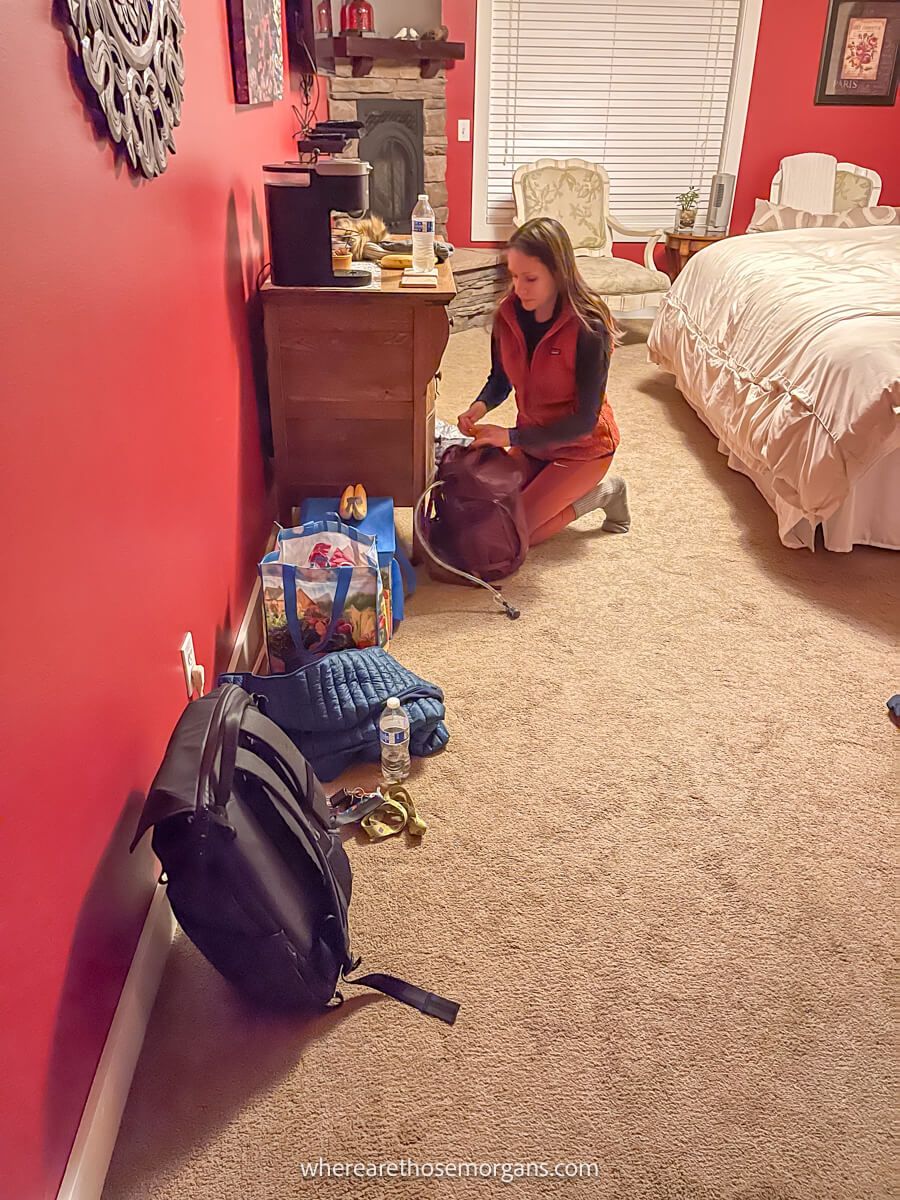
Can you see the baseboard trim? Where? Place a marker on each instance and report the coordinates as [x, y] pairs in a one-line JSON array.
[[99, 1126], [98, 1129]]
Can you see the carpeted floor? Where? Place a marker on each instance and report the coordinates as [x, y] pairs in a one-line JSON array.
[[659, 876]]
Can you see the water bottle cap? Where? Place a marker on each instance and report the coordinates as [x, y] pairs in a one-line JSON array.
[[393, 702]]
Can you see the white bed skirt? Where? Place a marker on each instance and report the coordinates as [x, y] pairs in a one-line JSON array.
[[787, 345], [870, 516]]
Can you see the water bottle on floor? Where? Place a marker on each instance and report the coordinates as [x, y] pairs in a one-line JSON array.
[[393, 731], [423, 235]]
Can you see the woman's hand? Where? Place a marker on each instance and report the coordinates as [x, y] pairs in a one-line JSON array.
[[466, 421], [491, 435]]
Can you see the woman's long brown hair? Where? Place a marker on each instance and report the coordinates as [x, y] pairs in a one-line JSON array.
[[546, 240]]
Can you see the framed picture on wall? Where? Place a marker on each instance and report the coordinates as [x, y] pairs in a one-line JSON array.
[[860, 61], [256, 58]]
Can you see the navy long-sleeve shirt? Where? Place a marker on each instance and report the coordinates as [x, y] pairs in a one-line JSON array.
[[591, 372]]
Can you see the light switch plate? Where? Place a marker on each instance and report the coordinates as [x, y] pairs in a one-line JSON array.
[[188, 662], [464, 131]]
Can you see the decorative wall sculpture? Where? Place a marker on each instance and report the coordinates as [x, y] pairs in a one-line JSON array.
[[256, 57], [131, 51]]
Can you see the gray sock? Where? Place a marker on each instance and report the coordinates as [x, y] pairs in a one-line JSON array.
[[611, 495]]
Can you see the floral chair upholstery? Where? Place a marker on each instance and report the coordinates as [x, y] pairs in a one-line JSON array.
[[576, 193]]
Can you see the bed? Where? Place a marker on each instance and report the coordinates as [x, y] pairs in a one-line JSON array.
[[787, 345]]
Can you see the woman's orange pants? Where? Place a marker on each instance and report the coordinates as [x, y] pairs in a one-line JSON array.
[[551, 488]]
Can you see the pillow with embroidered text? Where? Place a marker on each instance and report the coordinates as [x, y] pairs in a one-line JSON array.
[[769, 216]]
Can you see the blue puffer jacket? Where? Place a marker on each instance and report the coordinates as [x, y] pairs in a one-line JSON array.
[[330, 709]]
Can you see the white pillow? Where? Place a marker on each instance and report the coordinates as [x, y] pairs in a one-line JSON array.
[[768, 216]]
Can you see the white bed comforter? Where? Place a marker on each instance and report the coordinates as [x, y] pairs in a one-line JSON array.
[[788, 344]]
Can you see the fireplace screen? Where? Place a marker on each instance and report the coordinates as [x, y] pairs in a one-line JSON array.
[[393, 142]]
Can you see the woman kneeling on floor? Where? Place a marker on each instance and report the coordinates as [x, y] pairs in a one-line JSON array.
[[551, 342]]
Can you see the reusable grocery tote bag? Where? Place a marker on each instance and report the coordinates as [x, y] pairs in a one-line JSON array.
[[322, 591]]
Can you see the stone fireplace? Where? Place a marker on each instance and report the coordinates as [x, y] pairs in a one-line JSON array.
[[388, 100], [406, 133], [394, 143]]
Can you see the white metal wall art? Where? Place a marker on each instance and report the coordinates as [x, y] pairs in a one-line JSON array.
[[131, 51]]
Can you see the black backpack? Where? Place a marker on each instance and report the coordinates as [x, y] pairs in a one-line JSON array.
[[257, 876]]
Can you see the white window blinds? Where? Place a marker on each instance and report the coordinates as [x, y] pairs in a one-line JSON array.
[[640, 86]]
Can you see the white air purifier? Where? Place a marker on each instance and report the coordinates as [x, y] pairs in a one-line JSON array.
[[721, 198]]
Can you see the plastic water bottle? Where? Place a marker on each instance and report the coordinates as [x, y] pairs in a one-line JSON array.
[[423, 235], [393, 731]]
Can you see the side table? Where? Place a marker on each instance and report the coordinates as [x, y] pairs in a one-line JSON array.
[[681, 244]]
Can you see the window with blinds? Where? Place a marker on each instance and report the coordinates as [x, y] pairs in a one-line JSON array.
[[643, 87]]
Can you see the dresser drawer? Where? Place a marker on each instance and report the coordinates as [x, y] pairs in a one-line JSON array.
[[331, 451], [327, 371], [290, 319]]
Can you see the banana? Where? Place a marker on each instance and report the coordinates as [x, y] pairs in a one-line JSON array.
[[396, 262]]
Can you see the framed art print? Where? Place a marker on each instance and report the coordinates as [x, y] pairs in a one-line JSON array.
[[860, 60], [256, 56]]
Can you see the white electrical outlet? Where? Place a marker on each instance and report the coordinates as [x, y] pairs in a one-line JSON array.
[[188, 662], [464, 131]]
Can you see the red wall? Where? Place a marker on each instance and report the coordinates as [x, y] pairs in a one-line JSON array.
[[781, 118], [459, 17], [134, 507]]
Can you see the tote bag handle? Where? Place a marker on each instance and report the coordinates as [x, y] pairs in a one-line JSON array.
[[289, 578]]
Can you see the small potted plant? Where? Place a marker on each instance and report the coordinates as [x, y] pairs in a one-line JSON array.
[[687, 208]]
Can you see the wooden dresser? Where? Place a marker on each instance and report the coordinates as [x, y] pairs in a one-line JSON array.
[[351, 386]]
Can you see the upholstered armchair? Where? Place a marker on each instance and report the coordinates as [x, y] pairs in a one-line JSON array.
[[576, 193], [818, 183]]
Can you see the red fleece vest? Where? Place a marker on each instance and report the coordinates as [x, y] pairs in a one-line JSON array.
[[545, 387]]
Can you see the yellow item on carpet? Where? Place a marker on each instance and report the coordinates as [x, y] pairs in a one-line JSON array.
[[399, 794], [398, 812]]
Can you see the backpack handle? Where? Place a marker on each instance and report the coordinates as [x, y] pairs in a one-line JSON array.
[[220, 742]]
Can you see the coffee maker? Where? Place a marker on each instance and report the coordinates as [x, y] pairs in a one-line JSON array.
[[300, 200]]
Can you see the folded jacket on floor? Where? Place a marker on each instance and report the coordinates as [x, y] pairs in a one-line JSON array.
[[330, 709]]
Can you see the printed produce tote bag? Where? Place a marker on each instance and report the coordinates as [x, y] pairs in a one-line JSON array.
[[322, 591]]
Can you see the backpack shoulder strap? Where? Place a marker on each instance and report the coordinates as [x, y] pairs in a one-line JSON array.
[[428, 1003], [288, 758]]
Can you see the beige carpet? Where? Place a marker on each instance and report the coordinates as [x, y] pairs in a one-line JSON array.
[[658, 876]]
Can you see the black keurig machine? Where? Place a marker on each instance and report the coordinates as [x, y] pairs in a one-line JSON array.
[[300, 198]]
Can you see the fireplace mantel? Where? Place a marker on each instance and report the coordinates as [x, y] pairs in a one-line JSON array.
[[362, 53]]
